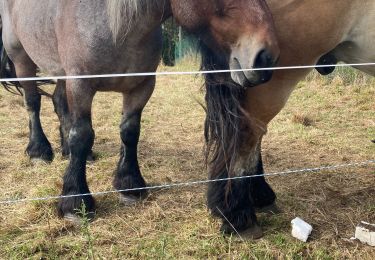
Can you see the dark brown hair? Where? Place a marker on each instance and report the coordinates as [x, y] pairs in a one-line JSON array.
[[224, 114]]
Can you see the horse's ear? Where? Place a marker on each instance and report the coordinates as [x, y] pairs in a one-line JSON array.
[[189, 14]]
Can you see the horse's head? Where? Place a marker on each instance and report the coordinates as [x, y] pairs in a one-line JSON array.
[[240, 33]]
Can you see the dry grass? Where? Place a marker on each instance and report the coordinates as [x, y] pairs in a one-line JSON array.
[[327, 121]]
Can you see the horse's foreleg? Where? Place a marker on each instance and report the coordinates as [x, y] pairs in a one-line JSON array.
[[260, 191], [128, 175], [236, 201], [81, 139], [39, 147], [60, 104]]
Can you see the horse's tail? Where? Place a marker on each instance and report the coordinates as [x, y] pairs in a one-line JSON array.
[[8, 71]]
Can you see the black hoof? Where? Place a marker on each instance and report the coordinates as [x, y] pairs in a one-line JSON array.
[[65, 152], [91, 157], [79, 220], [251, 232], [235, 222], [136, 184], [40, 151], [129, 200], [74, 208]]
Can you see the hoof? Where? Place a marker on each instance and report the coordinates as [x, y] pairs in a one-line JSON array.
[[252, 233], [74, 219], [65, 151], [132, 188], [91, 157], [81, 207], [129, 200], [272, 209], [39, 161], [37, 153], [77, 220]]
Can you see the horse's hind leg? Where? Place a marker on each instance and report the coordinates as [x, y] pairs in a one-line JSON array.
[[60, 104], [61, 108], [39, 146], [81, 139], [128, 175]]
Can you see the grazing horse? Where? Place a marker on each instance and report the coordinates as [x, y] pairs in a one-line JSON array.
[[309, 32], [118, 36]]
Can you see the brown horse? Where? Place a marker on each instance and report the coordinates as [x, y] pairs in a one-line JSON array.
[[309, 32], [118, 36]]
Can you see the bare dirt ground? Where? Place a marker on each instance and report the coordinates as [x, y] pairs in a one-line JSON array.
[[327, 121]]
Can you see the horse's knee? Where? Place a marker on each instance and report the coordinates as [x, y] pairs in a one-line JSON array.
[[130, 130], [32, 102], [81, 138]]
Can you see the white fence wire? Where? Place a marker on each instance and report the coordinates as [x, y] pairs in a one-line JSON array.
[[193, 183], [169, 73]]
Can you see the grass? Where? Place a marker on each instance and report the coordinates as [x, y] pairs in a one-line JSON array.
[[327, 121]]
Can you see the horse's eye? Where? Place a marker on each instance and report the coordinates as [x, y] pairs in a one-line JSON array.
[[219, 12], [228, 10]]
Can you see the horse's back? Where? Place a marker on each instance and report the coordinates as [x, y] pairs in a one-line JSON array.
[[29, 32], [74, 37]]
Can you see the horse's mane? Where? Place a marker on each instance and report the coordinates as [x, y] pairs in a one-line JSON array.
[[224, 116], [123, 13]]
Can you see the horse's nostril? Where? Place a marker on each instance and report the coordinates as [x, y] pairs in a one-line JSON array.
[[264, 59]]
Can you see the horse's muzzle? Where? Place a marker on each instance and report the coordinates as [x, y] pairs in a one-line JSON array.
[[264, 60], [251, 78]]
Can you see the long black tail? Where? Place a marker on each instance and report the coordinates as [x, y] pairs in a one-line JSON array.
[[7, 71]]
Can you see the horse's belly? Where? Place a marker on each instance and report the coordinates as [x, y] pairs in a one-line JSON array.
[[52, 65], [359, 45]]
